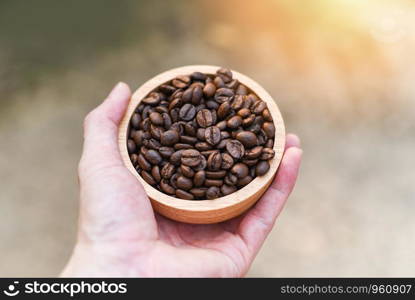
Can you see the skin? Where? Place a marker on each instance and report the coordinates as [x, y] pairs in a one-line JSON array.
[[120, 235]]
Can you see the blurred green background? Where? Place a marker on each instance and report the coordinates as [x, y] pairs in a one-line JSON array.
[[341, 71]]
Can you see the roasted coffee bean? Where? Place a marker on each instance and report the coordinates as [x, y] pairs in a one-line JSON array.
[[131, 146], [240, 170], [201, 136], [231, 179], [244, 181], [258, 107], [209, 90], [241, 90], [235, 149], [187, 112], [224, 110], [247, 138], [198, 192], [213, 192], [184, 195], [216, 174], [204, 118], [212, 135], [221, 125], [191, 157], [269, 129], [153, 156], [253, 153], [181, 82], [199, 178], [199, 76], [234, 122], [184, 183], [176, 157], [187, 171], [169, 137], [166, 152], [262, 167], [225, 74], [188, 139], [155, 172], [267, 154], [167, 89], [148, 178], [166, 187], [135, 120], [227, 189], [223, 95], [269, 143], [227, 161], [182, 146], [203, 146], [167, 171], [214, 161], [213, 182], [156, 119]]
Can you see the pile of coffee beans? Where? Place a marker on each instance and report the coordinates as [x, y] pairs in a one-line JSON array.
[[201, 136]]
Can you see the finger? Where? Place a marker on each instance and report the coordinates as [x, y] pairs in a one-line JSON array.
[[259, 221], [292, 140], [101, 127]]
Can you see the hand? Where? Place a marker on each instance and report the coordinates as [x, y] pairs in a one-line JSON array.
[[120, 235]]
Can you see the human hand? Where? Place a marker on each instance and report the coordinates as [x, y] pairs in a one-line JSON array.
[[120, 235]]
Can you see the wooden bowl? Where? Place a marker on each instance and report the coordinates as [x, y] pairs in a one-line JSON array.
[[205, 211]]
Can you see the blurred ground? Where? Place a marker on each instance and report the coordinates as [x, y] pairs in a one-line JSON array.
[[341, 72]]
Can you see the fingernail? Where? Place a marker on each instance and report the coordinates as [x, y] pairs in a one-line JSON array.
[[116, 89]]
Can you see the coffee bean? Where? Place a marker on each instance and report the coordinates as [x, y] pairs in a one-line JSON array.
[[184, 195], [176, 157], [250, 162], [221, 125], [169, 137], [173, 180], [269, 143], [152, 144], [135, 120], [262, 167], [224, 110], [190, 128], [234, 122], [212, 104], [199, 178], [167, 89], [253, 153], [181, 82], [152, 100], [267, 115], [148, 178], [133, 158], [198, 192], [143, 163], [223, 95], [212, 135], [214, 161], [213, 192], [166, 152], [184, 183], [191, 157], [222, 144], [203, 146], [167, 171], [241, 90], [155, 172], [188, 139], [213, 182], [179, 127], [233, 84], [225, 74], [174, 114], [209, 90], [156, 119], [199, 76], [244, 181], [166, 187], [200, 134], [197, 95], [248, 121], [231, 179], [187, 171], [267, 154], [215, 174], [258, 107], [187, 112], [167, 121], [182, 146], [219, 83], [204, 118], [153, 157], [131, 146], [225, 134], [240, 170], [227, 161], [269, 129], [202, 165], [156, 131], [247, 138], [138, 137], [235, 149], [227, 189]]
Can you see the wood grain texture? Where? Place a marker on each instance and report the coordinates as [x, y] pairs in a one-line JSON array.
[[205, 211]]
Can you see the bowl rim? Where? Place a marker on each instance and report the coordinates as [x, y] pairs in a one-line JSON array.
[[235, 198]]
